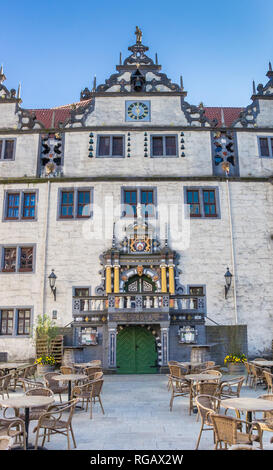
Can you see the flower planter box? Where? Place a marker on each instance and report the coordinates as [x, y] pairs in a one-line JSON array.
[[44, 368], [236, 368]]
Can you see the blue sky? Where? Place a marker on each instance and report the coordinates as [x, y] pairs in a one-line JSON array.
[[54, 48]]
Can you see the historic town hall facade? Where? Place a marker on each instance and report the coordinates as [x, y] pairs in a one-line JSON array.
[[141, 223]]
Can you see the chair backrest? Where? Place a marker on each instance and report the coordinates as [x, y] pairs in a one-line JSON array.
[[207, 404], [60, 409], [207, 388], [175, 371], [225, 428], [92, 370], [45, 392], [95, 362], [209, 364], [268, 377], [29, 384], [212, 372], [267, 414], [48, 376], [96, 388], [67, 370], [247, 366], [95, 376]]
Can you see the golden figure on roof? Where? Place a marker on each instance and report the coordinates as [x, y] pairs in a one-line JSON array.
[[138, 34]]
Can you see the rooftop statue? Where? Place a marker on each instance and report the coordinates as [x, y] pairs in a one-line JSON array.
[[138, 34]]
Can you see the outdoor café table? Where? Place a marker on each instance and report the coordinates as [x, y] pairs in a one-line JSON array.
[[194, 378], [27, 402], [11, 365], [69, 378], [248, 405], [263, 364]]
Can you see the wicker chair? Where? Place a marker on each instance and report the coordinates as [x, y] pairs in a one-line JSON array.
[[266, 423], [5, 381], [212, 372], [95, 376], [179, 388], [18, 374], [55, 385], [67, 370], [257, 375], [57, 421], [15, 429], [92, 370], [269, 380], [228, 431], [249, 376], [206, 405], [89, 392], [35, 413], [28, 384], [231, 388]]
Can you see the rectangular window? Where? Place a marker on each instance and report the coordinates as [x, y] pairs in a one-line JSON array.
[[26, 259], [29, 202], [164, 146], [143, 198], [6, 323], [203, 202], [9, 260], [20, 205], [67, 204], [23, 322], [110, 146], [13, 204], [7, 149], [266, 146], [75, 203]]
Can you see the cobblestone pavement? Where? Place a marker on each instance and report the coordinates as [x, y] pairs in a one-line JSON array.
[[137, 417]]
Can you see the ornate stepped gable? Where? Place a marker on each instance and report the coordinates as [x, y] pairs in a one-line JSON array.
[[138, 73]]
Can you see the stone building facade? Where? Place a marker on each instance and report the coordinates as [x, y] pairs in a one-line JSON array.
[[139, 202]]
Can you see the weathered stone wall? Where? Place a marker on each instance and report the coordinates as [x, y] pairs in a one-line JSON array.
[[226, 339]]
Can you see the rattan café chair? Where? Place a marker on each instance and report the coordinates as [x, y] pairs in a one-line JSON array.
[[228, 431], [35, 413], [67, 370], [206, 405], [57, 421], [231, 388], [15, 429], [54, 385], [269, 381], [266, 422], [89, 392]]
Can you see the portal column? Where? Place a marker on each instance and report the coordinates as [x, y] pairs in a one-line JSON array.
[[112, 345], [163, 267], [164, 330], [171, 283]]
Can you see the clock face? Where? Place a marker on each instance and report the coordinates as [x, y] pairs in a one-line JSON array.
[[138, 111]]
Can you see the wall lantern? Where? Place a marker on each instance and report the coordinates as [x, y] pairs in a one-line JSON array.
[[52, 281], [228, 279]]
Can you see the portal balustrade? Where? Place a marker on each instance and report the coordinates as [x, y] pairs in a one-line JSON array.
[[159, 302]]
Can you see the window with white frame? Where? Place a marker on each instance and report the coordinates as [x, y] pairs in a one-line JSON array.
[[7, 149]]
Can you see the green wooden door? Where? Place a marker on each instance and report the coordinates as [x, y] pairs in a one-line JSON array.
[[136, 351]]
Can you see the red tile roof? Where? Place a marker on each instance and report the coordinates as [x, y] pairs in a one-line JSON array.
[[52, 117]]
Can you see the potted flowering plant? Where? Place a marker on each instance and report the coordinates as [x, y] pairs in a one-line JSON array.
[[235, 362], [45, 363]]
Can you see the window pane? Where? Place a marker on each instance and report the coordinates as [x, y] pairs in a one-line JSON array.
[[147, 200], [1, 147], [67, 204], [209, 203], [23, 327], [8, 151], [193, 201], [117, 146], [264, 147], [130, 202], [29, 205], [9, 262], [26, 259], [104, 146], [83, 203], [170, 145], [13, 206], [6, 324], [157, 143]]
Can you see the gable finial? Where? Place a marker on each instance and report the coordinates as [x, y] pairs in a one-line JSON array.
[[138, 34], [254, 88], [114, 237], [94, 83], [2, 75], [181, 83], [156, 59], [120, 58], [223, 118], [19, 92], [270, 67]]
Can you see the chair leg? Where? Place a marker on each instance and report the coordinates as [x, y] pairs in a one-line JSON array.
[[68, 440], [73, 437], [101, 405], [199, 437], [36, 439]]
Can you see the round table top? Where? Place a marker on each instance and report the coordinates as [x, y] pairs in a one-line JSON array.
[[201, 377], [85, 364], [26, 401], [248, 404], [263, 363], [69, 377], [12, 365]]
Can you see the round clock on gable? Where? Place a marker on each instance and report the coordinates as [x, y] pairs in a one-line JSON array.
[[138, 111]]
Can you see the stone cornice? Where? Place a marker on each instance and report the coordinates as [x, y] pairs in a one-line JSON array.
[[238, 179], [131, 128]]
